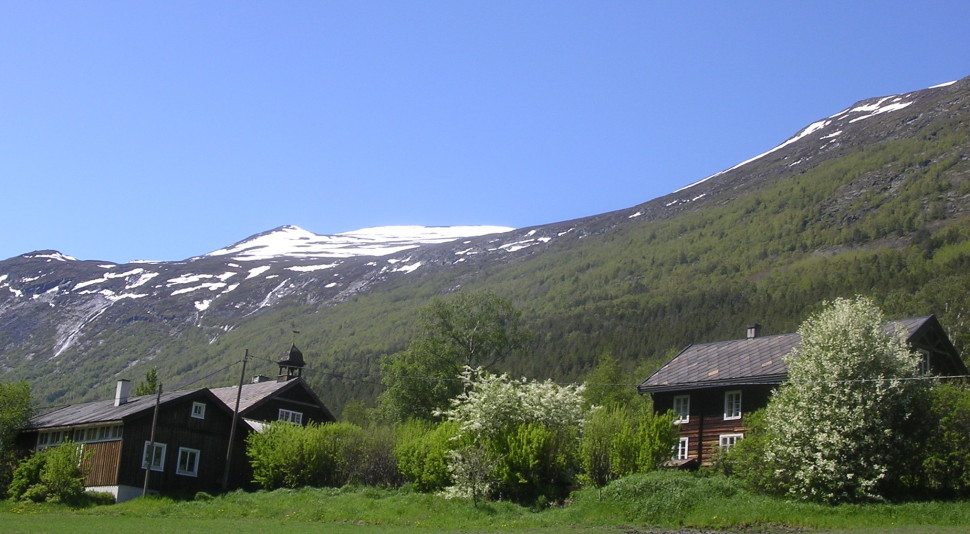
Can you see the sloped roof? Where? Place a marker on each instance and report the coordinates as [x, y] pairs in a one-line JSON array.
[[251, 393], [758, 360], [102, 411]]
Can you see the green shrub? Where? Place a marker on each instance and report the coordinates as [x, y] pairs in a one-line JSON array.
[[372, 461], [26, 475], [665, 497], [533, 460], [333, 454], [422, 453], [747, 460], [617, 442], [946, 465], [52, 475]]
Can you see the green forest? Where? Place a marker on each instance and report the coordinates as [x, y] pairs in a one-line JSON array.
[[888, 220]]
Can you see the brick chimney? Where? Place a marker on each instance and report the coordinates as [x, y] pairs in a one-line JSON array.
[[754, 331], [122, 391]]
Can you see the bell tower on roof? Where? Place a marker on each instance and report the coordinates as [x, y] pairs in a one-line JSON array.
[[291, 365]]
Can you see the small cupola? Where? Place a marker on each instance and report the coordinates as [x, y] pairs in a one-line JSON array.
[[291, 365], [754, 331]]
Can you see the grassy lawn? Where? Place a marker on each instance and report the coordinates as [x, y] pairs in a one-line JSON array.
[[640, 502]]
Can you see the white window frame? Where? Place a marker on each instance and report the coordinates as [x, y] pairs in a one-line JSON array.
[[144, 456], [729, 406], [682, 449], [726, 441], [194, 472], [198, 410], [683, 416], [291, 416]]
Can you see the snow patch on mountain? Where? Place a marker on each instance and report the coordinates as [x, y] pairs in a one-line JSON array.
[[295, 242], [895, 103]]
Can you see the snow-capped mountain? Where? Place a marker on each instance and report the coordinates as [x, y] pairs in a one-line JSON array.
[[295, 242], [70, 325]]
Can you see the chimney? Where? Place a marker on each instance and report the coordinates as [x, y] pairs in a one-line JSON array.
[[754, 331], [122, 392], [261, 378]]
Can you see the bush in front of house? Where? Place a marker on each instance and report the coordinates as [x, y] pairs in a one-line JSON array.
[[422, 453], [845, 427], [946, 465], [285, 455], [52, 475], [620, 440], [519, 437]]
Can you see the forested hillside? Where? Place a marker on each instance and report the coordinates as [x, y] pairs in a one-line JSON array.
[[884, 211], [890, 221]]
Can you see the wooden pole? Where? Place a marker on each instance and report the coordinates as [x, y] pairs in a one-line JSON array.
[[232, 429], [151, 441]]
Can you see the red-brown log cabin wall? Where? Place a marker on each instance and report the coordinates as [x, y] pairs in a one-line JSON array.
[[707, 422]]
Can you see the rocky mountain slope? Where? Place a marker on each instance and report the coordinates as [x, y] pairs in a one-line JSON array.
[[882, 180]]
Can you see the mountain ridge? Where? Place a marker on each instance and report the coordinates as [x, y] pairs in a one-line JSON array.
[[588, 284]]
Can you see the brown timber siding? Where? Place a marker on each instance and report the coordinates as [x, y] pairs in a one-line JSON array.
[[707, 423], [101, 463], [177, 428]]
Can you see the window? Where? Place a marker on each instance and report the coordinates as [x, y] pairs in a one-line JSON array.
[[728, 440], [157, 457], [680, 451], [682, 409], [92, 434], [732, 405], [198, 410], [290, 416], [188, 463], [924, 362]]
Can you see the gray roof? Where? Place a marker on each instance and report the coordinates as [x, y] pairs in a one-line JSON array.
[[102, 411], [758, 360], [251, 393]]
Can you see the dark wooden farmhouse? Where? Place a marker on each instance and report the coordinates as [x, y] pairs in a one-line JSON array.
[[191, 435], [711, 387], [191, 439]]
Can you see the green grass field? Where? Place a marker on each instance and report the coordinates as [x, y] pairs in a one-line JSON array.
[[638, 503]]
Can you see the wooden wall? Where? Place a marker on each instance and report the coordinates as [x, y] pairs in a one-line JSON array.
[[177, 428], [101, 463], [707, 422]]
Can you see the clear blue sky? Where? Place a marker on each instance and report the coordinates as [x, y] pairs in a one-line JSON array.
[[163, 130]]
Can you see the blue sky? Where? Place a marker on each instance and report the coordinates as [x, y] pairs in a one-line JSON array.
[[164, 130]]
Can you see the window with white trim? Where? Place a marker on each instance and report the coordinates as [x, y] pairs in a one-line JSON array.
[[681, 409], [732, 404], [198, 410], [157, 456], [94, 434], [680, 451], [188, 463], [726, 441], [291, 416]]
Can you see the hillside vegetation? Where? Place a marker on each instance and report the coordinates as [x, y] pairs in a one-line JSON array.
[[887, 217]]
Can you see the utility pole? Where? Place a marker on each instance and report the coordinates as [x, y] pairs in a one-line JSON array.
[[151, 441], [232, 429]]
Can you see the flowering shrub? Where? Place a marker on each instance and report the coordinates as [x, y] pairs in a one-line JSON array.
[[522, 436], [837, 426]]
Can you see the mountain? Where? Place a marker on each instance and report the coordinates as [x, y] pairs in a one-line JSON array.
[[873, 199]]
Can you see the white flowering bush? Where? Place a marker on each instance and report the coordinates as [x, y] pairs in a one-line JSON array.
[[837, 428], [528, 431], [490, 404]]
